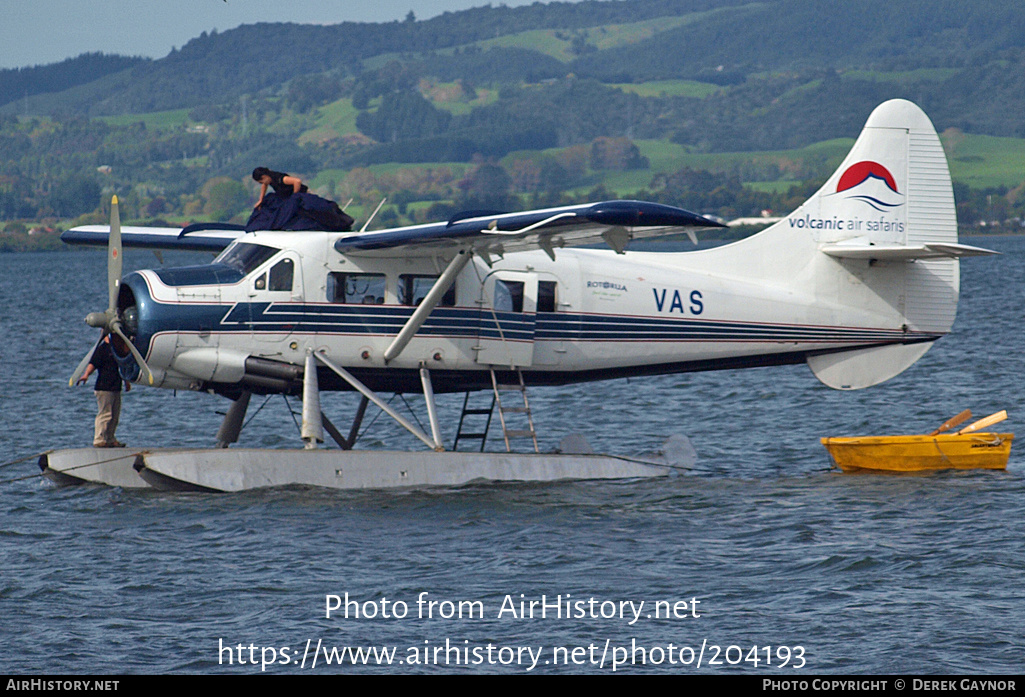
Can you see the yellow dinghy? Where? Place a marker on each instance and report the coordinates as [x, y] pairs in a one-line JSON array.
[[969, 448]]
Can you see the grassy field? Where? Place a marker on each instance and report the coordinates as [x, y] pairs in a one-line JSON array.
[[155, 119], [903, 76], [559, 43], [780, 186], [976, 160], [328, 177], [670, 88], [451, 97], [669, 157], [540, 40], [985, 161], [332, 121]]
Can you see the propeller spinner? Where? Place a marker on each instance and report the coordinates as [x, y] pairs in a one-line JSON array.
[[109, 320]]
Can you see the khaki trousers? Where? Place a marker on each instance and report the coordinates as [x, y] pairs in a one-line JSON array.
[[108, 412]]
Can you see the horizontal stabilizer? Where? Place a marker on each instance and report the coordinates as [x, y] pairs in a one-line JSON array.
[[192, 238], [614, 223], [901, 252]]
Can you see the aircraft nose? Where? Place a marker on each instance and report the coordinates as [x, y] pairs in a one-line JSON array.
[[137, 311], [130, 318]]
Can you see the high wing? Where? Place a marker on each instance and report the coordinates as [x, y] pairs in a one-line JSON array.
[[204, 237], [488, 234]]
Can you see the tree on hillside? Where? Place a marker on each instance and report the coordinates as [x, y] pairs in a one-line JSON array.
[[308, 91], [402, 116], [224, 197], [485, 187], [616, 154]]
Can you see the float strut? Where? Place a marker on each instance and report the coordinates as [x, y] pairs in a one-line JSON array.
[[358, 421], [334, 432], [231, 427], [312, 431], [369, 394], [343, 442], [432, 409]]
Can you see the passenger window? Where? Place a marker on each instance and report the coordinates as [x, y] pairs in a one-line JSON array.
[[261, 282], [509, 296], [546, 296], [413, 289], [281, 275], [356, 288]]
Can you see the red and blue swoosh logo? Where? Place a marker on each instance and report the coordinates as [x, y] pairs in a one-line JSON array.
[[872, 184]]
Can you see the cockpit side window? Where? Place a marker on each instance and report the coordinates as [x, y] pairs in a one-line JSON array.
[[281, 275], [413, 288], [246, 256], [356, 288]]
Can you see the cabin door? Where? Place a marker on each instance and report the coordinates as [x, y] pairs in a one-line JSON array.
[[507, 318], [275, 299]]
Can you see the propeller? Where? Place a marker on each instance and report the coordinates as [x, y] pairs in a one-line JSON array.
[[109, 320], [80, 370]]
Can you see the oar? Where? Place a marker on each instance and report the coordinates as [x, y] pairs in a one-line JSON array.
[[953, 421], [983, 423]]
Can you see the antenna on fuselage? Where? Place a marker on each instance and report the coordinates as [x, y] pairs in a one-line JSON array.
[[364, 228]]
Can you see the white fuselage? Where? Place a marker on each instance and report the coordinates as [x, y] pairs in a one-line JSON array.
[[588, 310]]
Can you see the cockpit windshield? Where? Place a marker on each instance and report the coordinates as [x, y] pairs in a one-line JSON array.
[[246, 256]]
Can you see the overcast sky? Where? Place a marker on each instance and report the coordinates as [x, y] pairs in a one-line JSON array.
[[48, 31]]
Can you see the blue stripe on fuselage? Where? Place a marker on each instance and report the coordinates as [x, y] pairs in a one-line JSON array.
[[468, 323]]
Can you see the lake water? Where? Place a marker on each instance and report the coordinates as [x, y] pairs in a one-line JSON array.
[[796, 568]]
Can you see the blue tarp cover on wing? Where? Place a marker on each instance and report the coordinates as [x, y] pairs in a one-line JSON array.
[[301, 211]]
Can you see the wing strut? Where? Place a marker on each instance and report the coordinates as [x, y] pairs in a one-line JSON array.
[[424, 309]]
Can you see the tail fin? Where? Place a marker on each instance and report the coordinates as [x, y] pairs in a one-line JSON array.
[[878, 243], [894, 189]]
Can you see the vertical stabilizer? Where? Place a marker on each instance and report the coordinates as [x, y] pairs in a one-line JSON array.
[[894, 189], [881, 216]]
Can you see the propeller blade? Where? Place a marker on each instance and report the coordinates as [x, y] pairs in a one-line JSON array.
[[114, 257], [109, 320], [80, 370], [116, 326], [984, 422]]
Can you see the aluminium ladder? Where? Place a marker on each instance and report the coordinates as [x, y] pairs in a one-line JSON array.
[[481, 435], [508, 433]]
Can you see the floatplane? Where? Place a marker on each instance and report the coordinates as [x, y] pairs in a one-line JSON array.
[[858, 283]]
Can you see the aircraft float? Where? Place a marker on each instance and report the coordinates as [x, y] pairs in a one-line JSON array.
[[858, 283]]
